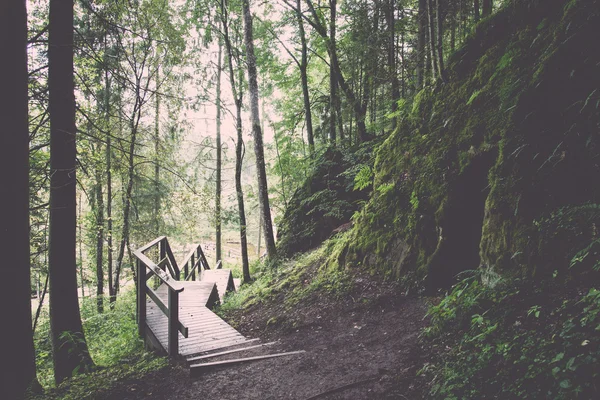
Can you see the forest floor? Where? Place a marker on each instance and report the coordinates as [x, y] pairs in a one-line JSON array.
[[362, 345]]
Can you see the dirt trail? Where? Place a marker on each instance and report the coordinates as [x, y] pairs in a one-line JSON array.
[[364, 346]]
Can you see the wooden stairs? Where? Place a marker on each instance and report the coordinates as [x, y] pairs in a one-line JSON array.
[[177, 318]]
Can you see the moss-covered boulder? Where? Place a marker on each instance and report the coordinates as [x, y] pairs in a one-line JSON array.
[[483, 167], [325, 201]]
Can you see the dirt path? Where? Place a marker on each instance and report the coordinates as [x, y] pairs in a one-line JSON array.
[[364, 346]]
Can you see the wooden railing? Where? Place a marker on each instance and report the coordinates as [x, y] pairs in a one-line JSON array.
[[194, 260], [167, 271]]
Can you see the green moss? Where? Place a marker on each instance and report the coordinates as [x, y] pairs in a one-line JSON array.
[[511, 95]]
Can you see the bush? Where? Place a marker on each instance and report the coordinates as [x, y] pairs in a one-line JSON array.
[[515, 341]]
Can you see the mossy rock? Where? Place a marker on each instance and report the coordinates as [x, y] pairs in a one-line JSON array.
[[325, 201], [476, 163]]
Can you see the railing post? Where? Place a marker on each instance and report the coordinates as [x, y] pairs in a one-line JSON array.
[[173, 323], [162, 249], [141, 298], [187, 269]]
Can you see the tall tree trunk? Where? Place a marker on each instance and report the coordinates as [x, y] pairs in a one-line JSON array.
[[219, 162], [391, 25], [239, 147], [156, 211], [263, 193], [432, 38], [134, 124], [17, 362], [421, 42], [99, 241], [332, 74], [440, 39], [69, 348], [109, 225], [476, 10], [304, 79], [80, 244], [486, 8]]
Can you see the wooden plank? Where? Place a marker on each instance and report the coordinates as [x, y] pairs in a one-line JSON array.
[[199, 339], [162, 275], [207, 351], [157, 301], [196, 367], [165, 311], [198, 331], [214, 346], [223, 353], [150, 244]]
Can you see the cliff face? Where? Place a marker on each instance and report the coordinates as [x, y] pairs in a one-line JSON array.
[[498, 168]]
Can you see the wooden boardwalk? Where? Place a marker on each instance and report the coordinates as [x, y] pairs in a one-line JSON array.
[[206, 330], [181, 306]]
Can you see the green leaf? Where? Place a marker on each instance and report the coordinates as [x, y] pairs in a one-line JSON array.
[[565, 384], [558, 357]]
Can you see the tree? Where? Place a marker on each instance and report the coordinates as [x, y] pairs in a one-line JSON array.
[[391, 39], [304, 79], [263, 192], [219, 160], [69, 348], [18, 360], [486, 8]]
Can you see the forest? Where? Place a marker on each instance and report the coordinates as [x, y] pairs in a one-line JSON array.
[[401, 193]]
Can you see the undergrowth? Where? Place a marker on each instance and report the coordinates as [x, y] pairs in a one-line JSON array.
[[515, 340], [293, 280], [117, 350]]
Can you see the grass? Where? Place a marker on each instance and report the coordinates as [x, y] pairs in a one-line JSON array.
[[291, 280], [114, 345]]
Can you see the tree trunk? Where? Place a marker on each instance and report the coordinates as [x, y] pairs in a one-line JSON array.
[[69, 348], [391, 25], [440, 39], [109, 226], [80, 245], [239, 147], [17, 362], [99, 242], [486, 8], [304, 79], [432, 39], [156, 211], [263, 194], [354, 101], [476, 10], [332, 74], [219, 162], [134, 124], [421, 42]]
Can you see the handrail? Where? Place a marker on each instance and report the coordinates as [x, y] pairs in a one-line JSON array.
[[195, 258], [151, 244], [174, 287], [162, 275]]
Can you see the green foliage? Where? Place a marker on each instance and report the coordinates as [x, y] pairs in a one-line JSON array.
[[511, 99], [514, 341], [293, 280], [364, 178], [326, 199], [112, 336]]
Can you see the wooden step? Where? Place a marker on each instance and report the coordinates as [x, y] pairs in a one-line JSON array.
[[222, 353], [222, 278], [196, 368]]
